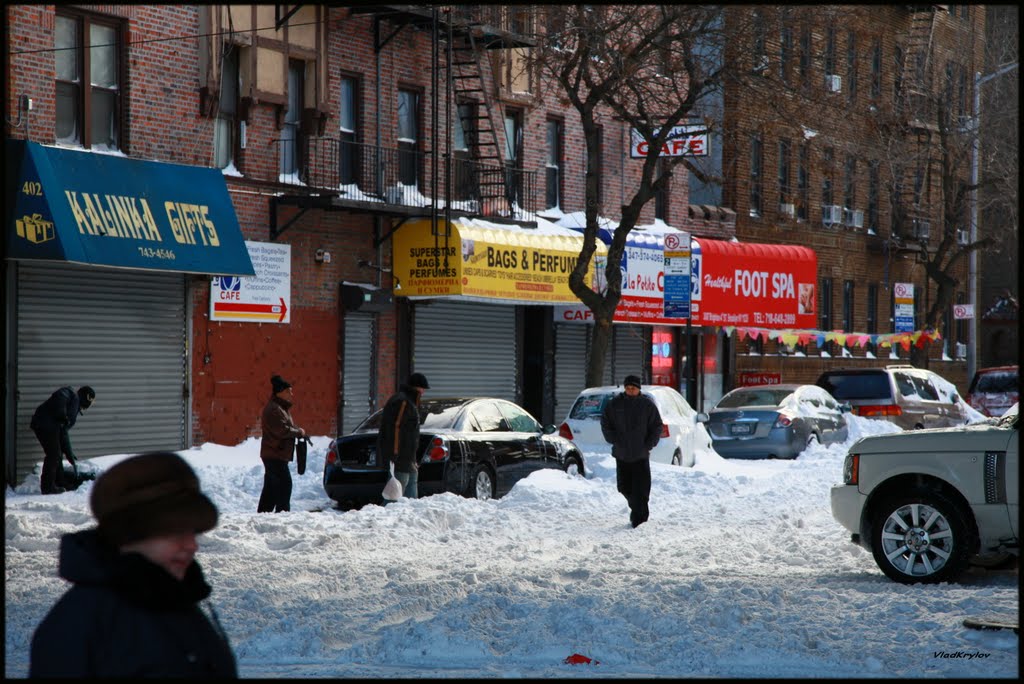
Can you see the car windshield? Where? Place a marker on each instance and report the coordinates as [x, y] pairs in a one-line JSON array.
[[996, 382], [435, 414], [589, 407], [754, 397], [857, 386]]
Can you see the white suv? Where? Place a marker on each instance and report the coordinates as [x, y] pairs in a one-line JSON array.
[[926, 502]]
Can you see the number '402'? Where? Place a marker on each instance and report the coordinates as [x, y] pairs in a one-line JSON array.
[[32, 188]]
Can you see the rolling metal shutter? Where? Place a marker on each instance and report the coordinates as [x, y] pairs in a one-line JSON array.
[[358, 370], [572, 345], [124, 333], [628, 357], [466, 349]]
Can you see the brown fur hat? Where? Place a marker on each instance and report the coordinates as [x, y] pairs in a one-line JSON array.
[[150, 495]]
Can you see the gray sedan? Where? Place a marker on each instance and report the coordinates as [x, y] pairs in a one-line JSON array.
[[775, 421]]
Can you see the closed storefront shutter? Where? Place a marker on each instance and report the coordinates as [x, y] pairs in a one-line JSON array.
[[630, 343], [572, 341], [358, 371], [122, 332], [466, 349]]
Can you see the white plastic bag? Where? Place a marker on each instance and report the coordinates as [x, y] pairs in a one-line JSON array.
[[393, 489]]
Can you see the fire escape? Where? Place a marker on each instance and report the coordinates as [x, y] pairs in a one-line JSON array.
[[436, 181], [916, 102]]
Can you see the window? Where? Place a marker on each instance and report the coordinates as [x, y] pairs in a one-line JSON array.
[[348, 127], [803, 181], [463, 139], [851, 67], [805, 54], [553, 169], [871, 322], [848, 292], [874, 188], [825, 310], [88, 109], [961, 91], [226, 128], [760, 40], [876, 69], [408, 137], [785, 52], [756, 176], [918, 185], [513, 154], [849, 182], [830, 51], [784, 174], [291, 138], [897, 85], [826, 179]]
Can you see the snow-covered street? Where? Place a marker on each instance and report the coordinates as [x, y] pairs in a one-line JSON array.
[[741, 572]]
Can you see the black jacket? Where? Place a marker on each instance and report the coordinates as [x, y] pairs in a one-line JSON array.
[[60, 410], [127, 617], [632, 425], [399, 436]]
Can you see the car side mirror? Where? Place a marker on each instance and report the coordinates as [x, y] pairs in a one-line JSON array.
[[702, 417], [550, 429], [955, 399], [846, 408]]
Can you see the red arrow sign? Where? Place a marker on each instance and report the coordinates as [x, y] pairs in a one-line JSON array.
[[268, 310]]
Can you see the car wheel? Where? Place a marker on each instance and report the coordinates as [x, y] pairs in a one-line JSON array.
[[482, 485], [813, 439], [921, 536], [573, 467]]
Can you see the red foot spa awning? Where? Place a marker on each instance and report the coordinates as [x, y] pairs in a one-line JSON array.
[[741, 283]]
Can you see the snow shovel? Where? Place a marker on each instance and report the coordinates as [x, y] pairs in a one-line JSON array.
[[300, 453]]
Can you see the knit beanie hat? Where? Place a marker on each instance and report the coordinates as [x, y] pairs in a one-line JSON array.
[[150, 495], [279, 384], [418, 380], [633, 380]]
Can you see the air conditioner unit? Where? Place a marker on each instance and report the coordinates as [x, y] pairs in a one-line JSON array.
[[787, 210], [858, 218], [761, 63], [922, 230], [831, 214], [963, 237], [834, 83]]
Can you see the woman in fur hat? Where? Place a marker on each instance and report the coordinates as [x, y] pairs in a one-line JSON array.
[[134, 609]]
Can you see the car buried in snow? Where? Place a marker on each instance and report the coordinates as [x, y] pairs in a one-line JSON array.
[[478, 447]]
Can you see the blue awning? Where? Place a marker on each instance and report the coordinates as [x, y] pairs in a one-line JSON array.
[[110, 210]]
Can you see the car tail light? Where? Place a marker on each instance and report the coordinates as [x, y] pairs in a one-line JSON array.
[[878, 410], [438, 449], [664, 430], [851, 469], [783, 421], [565, 431], [332, 455]]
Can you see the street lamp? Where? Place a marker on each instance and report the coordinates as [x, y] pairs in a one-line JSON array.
[[972, 349]]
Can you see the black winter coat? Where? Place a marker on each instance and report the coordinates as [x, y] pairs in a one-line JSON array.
[[399, 435], [60, 410], [632, 425], [127, 617]]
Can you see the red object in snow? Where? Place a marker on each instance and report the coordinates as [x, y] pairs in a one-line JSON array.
[[578, 659]]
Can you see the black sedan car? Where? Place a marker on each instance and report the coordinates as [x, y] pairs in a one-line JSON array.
[[478, 447]]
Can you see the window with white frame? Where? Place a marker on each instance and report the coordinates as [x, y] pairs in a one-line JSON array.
[[348, 130]]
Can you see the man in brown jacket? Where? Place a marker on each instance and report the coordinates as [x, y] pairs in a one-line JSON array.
[[276, 448]]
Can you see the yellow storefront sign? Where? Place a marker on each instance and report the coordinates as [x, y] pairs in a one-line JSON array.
[[488, 261]]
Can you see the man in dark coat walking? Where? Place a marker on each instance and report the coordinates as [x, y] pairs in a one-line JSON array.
[[51, 422], [134, 608], [399, 436], [632, 424], [277, 447]]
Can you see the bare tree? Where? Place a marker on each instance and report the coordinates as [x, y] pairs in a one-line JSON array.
[[650, 66]]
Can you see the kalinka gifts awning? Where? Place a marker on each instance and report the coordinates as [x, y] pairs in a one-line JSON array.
[[109, 210], [488, 261], [732, 283]]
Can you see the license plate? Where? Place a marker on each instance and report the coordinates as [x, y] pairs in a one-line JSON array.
[[741, 429]]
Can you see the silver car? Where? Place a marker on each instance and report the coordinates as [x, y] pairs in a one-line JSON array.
[[775, 421]]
